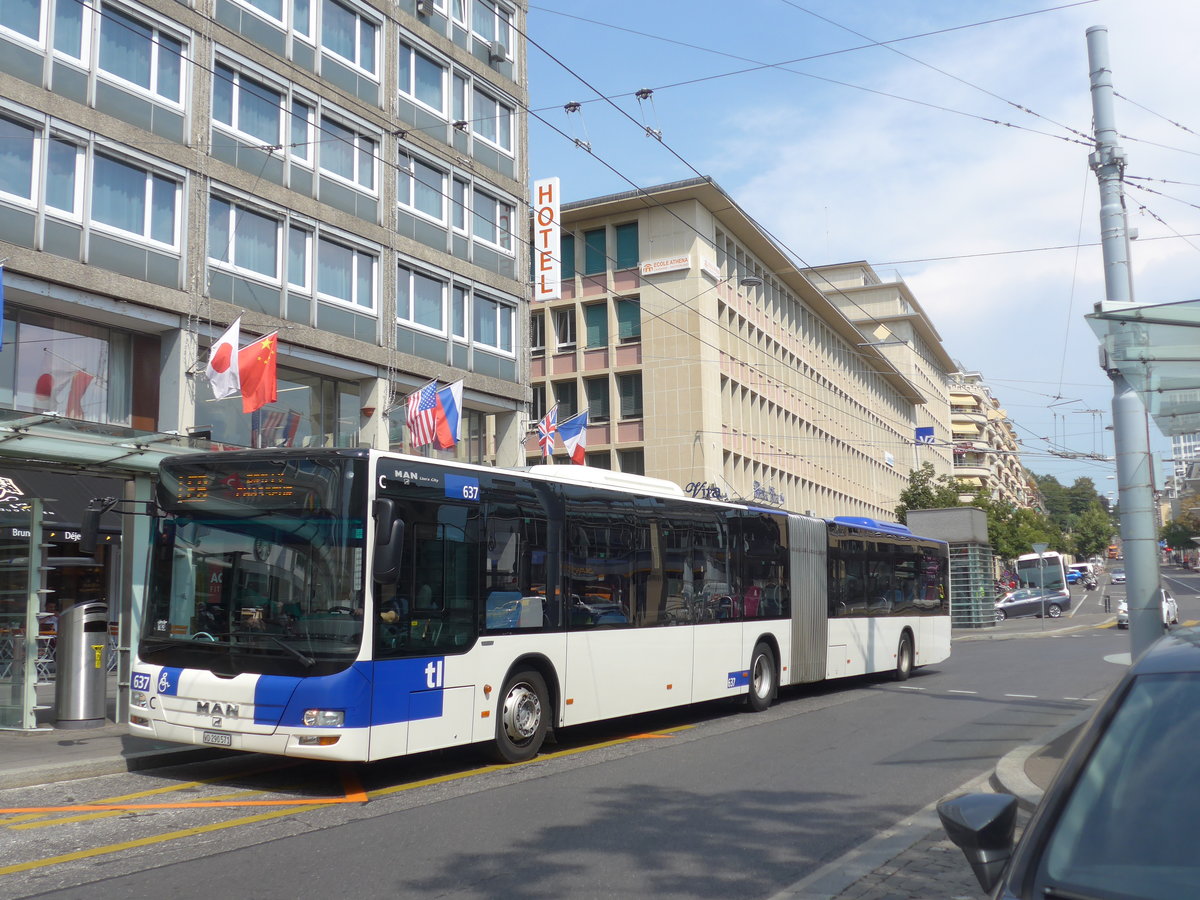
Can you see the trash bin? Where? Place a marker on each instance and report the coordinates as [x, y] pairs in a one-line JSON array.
[[81, 681]]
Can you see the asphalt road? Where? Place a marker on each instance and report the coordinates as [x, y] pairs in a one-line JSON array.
[[705, 802]]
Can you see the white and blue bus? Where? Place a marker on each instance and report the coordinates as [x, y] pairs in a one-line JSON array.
[[1048, 571], [359, 605]]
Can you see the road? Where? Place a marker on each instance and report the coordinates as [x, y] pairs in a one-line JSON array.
[[705, 802]]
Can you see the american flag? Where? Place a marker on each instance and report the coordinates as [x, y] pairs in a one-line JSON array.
[[422, 415], [546, 428]]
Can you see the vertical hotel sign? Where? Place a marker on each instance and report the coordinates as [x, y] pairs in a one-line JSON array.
[[547, 267]]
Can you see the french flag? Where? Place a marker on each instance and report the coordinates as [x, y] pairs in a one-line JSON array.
[[574, 437], [448, 416]]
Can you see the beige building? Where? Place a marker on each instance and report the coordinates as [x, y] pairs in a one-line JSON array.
[[705, 356], [986, 452]]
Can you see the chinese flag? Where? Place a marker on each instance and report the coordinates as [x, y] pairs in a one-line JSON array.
[[256, 362]]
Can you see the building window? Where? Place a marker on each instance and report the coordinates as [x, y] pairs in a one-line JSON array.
[[597, 399], [423, 79], [133, 199], [421, 299], [566, 396], [492, 120], [345, 274], [538, 410], [628, 256], [24, 17], [139, 54], [629, 320], [458, 205], [493, 21], [564, 328], [75, 369], [246, 105], [494, 324], [595, 317], [492, 221], [632, 462], [17, 165], [242, 239], [567, 255], [458, 312], [421, 187], [347, 154], [348, 34], [537, 333], [595, 259], [629, 387], [299, 253]]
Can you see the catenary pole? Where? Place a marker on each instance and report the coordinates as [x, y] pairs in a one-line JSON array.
[[1131, 430]]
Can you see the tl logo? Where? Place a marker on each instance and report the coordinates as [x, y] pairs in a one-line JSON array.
[[435, 673]]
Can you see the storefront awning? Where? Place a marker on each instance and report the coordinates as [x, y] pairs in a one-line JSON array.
[[64, 495], [1157, 348]]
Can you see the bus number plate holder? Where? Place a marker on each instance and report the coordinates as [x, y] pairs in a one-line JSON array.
[[217, 738]]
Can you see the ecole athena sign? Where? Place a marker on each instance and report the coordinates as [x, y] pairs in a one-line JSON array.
[[670, 264]]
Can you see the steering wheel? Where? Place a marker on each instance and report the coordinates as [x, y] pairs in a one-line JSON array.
[[341, 610], [203, 634]]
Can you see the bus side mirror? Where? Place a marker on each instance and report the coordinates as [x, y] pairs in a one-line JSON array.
[[389, 541], [90, 532]]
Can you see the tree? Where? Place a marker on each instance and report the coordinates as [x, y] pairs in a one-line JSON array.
[[1093, 531], [927, 490], [1178, 533]]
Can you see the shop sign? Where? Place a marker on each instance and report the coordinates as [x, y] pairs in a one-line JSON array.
[[669, 264]]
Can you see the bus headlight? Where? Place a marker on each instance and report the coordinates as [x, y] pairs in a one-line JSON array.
[[138, 699], [324, 718]]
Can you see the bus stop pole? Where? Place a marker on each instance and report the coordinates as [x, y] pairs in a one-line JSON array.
[[1131, 429]]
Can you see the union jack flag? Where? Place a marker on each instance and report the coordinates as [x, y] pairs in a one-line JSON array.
[[422, 415], [546, 428]]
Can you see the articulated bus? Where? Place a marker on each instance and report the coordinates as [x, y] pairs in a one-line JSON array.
[[1047, 571], [359, 605]]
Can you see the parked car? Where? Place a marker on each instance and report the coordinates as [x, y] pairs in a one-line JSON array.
[[1074, 576], [1120, 819], [1170, 610], [1032, 602], [1117, 576]]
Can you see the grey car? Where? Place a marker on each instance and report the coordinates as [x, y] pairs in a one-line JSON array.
[[1032, 602], [1119, 821]]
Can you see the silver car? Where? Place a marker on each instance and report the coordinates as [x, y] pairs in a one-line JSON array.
[[1032, 602]]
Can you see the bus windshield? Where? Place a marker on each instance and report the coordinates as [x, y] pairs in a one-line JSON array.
[[257, 566]]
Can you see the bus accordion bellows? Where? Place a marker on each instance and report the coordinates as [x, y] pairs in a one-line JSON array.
[[359, 605]]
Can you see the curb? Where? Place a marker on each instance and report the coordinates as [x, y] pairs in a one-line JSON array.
[[1009, 776], [136, 761]]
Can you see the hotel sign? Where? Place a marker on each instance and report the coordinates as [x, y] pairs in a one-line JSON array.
[[547, 230], [670, 264]]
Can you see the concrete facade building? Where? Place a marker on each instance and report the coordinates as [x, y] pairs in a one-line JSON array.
[[345, 172], [706, 357]]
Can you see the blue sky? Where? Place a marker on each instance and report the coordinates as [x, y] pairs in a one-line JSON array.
[[893, 155]]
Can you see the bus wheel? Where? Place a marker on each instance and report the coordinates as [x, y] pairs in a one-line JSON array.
[[904, 658], [521, 726], [762, 678]]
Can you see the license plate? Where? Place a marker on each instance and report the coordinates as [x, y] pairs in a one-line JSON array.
[[220, 738]]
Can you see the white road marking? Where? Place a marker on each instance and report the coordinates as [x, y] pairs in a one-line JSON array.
[[1022, 696], [962, 692]]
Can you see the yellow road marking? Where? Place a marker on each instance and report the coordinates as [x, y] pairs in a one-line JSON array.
[[106, 810]]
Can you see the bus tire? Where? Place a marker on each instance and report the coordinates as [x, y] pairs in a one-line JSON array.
[[521, 718], [904, 658], [762, 678]]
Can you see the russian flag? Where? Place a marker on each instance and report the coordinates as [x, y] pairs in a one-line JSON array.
[[448, 415], [574, 437]]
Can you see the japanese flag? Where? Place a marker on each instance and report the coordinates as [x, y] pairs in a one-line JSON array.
[[222, 367]]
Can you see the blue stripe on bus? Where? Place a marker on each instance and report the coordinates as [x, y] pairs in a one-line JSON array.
[[404, 690], [738, 679]]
